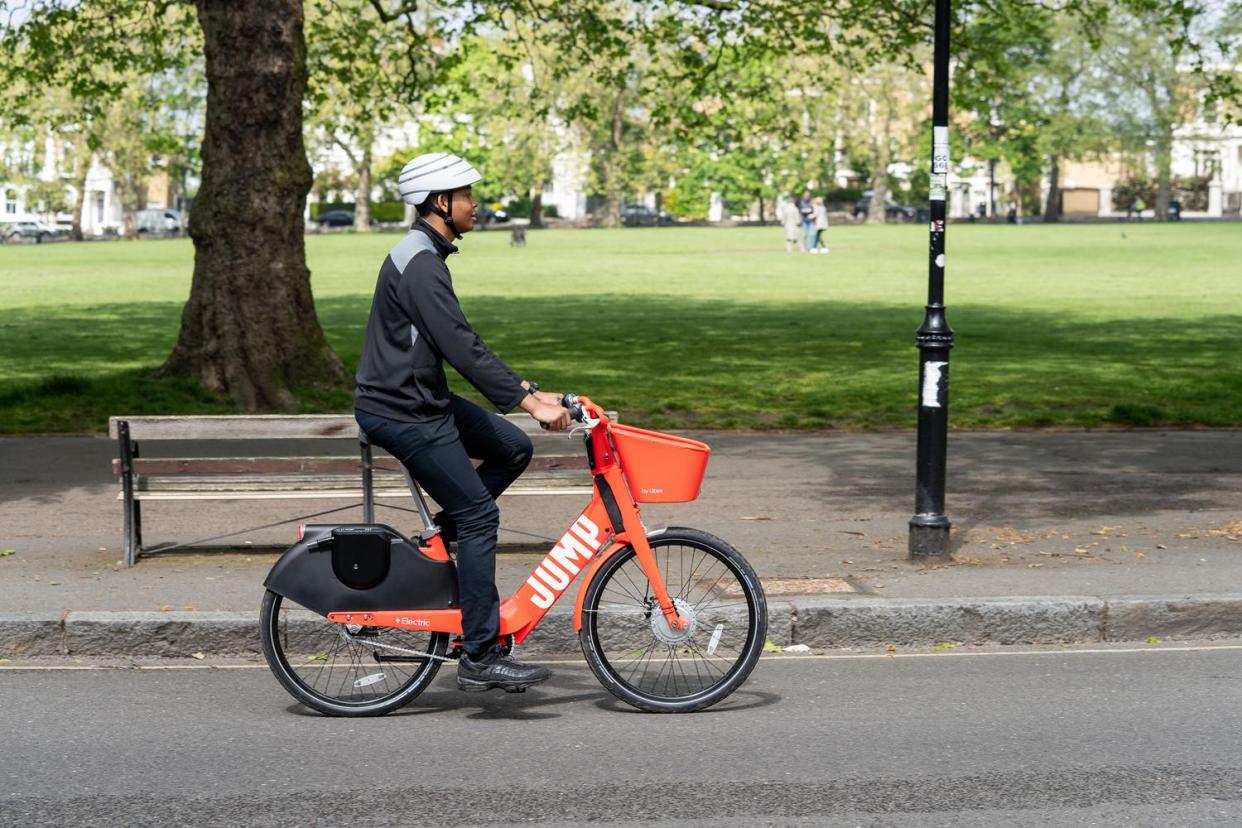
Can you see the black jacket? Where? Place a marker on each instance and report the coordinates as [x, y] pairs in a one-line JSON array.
[[416, 324]]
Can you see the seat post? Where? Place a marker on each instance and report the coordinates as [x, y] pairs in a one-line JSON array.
[[368, 491], [423, 514]]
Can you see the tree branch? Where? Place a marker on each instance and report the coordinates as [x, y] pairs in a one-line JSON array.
[[401, 10], [345, 148]]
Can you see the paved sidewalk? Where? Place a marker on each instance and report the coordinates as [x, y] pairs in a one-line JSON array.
[[1060, 519]]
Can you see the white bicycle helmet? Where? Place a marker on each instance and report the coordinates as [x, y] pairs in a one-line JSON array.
[[434, 172]]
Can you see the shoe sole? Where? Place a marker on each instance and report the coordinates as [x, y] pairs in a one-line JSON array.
[[477, 686]]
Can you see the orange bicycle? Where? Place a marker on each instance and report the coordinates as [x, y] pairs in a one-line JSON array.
[[358, 618]]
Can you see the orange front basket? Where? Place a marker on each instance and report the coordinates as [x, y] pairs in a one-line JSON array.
[[661, 468]]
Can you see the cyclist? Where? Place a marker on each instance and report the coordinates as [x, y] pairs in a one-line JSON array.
[[404, 404]]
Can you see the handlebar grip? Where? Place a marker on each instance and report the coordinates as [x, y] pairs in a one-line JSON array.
[[576, 412]]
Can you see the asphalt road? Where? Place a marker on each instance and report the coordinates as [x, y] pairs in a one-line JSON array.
[[962, 738]]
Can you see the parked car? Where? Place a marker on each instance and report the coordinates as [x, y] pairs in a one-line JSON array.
[[160, 222], [898, 212], [640, 215], [489, 216], [336, 218], [28, 231], [340, 218]]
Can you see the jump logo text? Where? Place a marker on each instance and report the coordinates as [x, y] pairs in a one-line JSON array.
[[575, 548]]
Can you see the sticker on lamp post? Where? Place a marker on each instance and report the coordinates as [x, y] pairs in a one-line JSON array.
[[940, 149], [931, 383]]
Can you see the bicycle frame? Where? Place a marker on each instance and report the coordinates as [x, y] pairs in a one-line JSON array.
[[610, 522]]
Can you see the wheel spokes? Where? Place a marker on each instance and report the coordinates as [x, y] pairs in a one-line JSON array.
[[338, 666], [654, 659]]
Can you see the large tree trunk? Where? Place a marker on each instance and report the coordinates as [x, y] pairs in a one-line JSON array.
[[992, 188], [249, 328], [883, 153], [879, 183], [1164, 174], [613, 164], [134, 199], [1052, 209], [362, 196], [762, 218], [79, 201], [536, 207]]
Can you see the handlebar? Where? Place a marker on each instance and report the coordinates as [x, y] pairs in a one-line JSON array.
[[576, 411], [582, 410]]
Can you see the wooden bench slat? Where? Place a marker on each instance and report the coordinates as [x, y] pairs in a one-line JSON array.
[[311, 465], [263, 426], [277, 482], [237, 427], [342, 494]]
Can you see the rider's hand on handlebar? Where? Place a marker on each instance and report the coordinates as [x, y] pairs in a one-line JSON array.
[[551, 417], [548, 398]]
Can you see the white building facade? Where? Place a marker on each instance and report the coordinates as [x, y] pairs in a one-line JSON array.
[[101, 209], [1200, 150]]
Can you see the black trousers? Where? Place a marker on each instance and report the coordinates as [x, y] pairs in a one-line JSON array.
[[437, 454]]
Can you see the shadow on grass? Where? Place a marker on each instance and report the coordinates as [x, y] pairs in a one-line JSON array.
[[672, 361]]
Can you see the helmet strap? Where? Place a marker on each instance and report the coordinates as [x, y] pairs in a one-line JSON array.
[[447, 215]]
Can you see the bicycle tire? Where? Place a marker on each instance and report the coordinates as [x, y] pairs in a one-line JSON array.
[[616, 651], [310, 674]]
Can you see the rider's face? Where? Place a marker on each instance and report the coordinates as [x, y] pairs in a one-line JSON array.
[[465, 209]]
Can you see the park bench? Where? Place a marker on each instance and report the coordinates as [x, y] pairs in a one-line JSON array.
[[558, 468]]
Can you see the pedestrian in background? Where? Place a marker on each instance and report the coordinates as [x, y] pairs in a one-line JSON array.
[[807, 209], [791, 217], [821, 224]]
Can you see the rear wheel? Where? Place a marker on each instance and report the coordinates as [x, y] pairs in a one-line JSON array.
[[346, 670], [640, 658]]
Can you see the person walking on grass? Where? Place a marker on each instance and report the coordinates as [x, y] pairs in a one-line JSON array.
[[404, 405], [806, 208], [821, 225], [791, 217]]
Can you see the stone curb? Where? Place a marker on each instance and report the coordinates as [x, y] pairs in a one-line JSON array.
[[816, 621]]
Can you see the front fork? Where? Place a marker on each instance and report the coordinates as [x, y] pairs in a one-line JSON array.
[[623, 506]]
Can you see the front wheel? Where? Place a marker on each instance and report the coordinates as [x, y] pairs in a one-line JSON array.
[[636, 653], [346, 670]]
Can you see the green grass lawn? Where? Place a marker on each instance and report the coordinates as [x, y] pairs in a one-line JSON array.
[[1086, 325]]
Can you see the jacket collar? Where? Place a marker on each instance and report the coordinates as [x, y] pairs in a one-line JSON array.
[[444, 247]]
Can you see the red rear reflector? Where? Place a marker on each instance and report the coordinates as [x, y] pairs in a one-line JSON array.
[[301, 531]]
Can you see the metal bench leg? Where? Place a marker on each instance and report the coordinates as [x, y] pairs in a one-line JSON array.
[[137, 528], [130, 543]]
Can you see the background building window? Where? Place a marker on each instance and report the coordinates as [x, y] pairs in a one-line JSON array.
[[10, 201], [1207, 163]]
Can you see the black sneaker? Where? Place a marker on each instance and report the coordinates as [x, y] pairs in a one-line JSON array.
[[491, 670]]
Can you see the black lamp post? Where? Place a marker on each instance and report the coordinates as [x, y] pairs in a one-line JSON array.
[[929, 527]]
